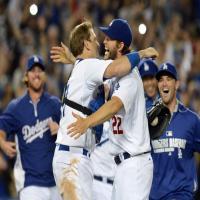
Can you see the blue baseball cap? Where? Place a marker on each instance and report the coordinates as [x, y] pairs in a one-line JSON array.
[[167, 69], [35, 60], [120, 30], [147, 67]]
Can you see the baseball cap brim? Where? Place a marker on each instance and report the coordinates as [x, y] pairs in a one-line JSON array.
[[37, 64], [165, 72], [106, 31], [145, 74]]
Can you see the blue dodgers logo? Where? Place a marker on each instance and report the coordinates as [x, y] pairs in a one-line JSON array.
[[37, 131], [169, 145]]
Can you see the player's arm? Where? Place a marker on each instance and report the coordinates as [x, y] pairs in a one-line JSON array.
[[105, 112], [126, 63], [62, 54], [9, 148], [53, 126]]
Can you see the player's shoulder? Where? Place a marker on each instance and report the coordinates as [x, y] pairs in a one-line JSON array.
[[16, 103], [94, 60], [51, 98], [187, 112], [131, 78]]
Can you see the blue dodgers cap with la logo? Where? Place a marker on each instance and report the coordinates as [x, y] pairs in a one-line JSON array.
[[147, 67], [120, 30], [167, 69], [35, 60]]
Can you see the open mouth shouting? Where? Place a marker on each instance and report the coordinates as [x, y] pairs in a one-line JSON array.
[[107, 53]]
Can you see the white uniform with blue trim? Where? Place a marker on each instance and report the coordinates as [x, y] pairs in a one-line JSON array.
[[130, 134], [71, 164], [104, 167]]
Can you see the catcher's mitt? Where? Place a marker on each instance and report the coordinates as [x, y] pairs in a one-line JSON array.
[[158, 119]]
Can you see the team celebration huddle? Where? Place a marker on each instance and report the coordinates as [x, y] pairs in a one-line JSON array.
[[120, 131]]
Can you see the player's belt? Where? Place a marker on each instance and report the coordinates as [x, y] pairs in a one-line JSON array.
[[123, 156], [80, 150], [103, 179], [77, 106]]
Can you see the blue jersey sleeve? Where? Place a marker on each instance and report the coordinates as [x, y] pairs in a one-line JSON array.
[[196, 136], [56, 103], [8, 120]]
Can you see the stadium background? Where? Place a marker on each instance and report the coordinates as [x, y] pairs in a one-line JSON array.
[[173, 28]]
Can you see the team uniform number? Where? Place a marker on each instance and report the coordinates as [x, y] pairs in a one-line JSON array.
[[116, 124]]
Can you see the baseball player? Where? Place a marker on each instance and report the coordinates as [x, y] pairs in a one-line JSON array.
[[148, 70], [103, 162], [129, 140], [72, 166], [173, 153], [103, 166], [33, 118]]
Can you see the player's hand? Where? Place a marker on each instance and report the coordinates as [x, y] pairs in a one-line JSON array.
[[53, 127], [148, 53], [9, 148], [62, 54], [77, 128]]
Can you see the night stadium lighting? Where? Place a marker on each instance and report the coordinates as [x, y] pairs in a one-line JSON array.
[[33, 9]]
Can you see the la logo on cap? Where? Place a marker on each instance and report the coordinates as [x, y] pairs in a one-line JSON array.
[[36, 59], [111, 23], [165, 67], [146, 67]]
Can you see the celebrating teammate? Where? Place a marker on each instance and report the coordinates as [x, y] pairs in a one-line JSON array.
[[103, 163], [72, 166], [34, 119], [173, 153], [129, 140], [148, 70]]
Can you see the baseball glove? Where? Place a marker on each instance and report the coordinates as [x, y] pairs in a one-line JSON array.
[[158, 119]]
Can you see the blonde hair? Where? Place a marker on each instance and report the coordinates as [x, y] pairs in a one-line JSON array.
[[80, 33]]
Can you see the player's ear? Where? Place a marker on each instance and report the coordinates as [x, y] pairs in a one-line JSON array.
[[44, 77], [86, 44], [120, 46], [177, 84]]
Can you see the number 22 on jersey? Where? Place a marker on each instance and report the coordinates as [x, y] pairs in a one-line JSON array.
[[116, 124]]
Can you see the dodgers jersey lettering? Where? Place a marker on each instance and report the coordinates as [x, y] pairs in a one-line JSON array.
[[85, 78], [176, 177], [35, 145]]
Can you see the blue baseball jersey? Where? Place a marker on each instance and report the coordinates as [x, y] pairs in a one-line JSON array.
[[35, 145], [173, 155], [150, 102]]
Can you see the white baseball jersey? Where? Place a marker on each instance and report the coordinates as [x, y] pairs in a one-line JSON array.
[[86, 76], [130, 134], [102, 161], [103, 166], [130, 127]]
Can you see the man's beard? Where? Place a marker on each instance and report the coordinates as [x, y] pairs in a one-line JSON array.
[[111, 55], [36, 89]]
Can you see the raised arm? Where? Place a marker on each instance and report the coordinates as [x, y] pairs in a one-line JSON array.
[[126, 63], [105, 112], [62, 54]]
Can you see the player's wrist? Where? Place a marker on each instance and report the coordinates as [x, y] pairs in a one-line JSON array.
[[134, 59], [141, 53]]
